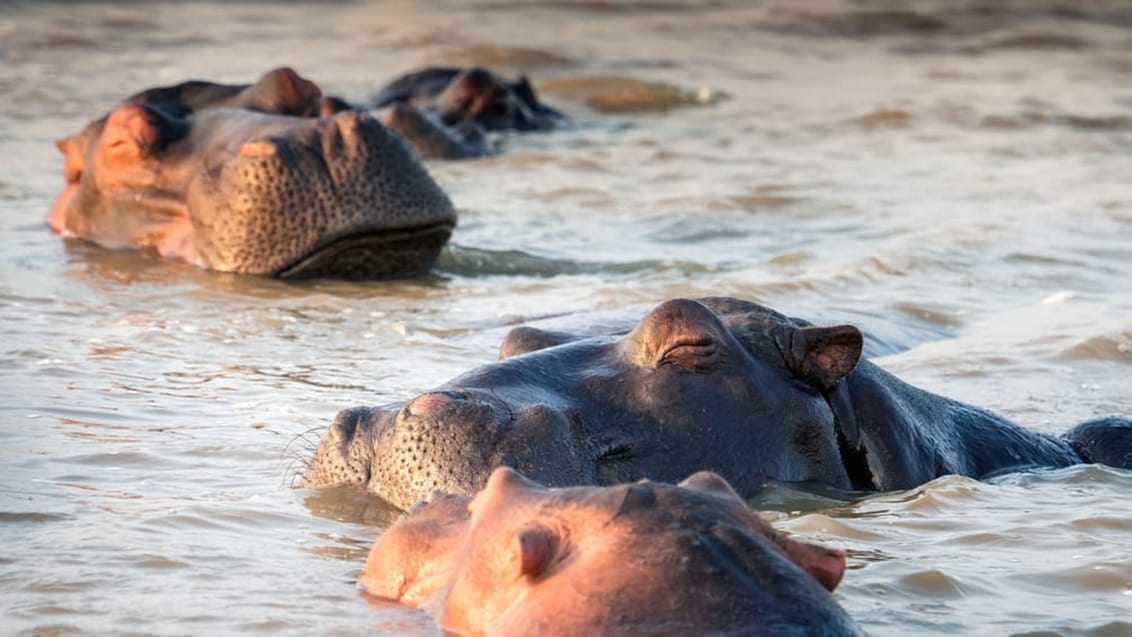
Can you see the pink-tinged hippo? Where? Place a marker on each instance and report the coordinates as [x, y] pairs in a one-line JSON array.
[[446, 113], [716, 384], [522, 560], [251, 179]]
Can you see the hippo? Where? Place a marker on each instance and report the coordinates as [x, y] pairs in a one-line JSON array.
[[631, 559], [717, 384], [271, 178], [446, 112]]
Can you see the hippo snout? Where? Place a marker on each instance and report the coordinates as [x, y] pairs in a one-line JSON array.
[[439, 440], [449, 440], [345, 453]]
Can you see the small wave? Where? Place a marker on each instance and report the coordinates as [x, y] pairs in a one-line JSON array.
[[857, 24], [1086, 123], [883, 118], [1114, 347], [1028, 42], [18, 517], [503, 56], [473, 262]]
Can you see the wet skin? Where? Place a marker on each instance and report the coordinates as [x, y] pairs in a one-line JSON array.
[[271, 178], [446, 113], [717, 384], [635, 559]]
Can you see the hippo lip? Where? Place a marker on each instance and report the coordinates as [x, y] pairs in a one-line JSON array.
[[377, 254]]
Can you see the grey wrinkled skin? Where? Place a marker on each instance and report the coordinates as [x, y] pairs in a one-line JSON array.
[[249, 179], [717, 384]]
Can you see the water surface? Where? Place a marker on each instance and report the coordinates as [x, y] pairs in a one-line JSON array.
[[955, 174]]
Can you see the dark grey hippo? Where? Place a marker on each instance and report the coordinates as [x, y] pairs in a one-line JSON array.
[[717, 384], [446, 112], [270, 178]]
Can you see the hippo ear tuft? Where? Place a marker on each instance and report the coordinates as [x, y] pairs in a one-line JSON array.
[[824, 355], [537, 546], [826, 565], [525, 339], [284, 91], [711, 483], [73, 159]]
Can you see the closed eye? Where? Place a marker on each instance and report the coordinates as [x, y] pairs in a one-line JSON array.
[[698, 354], [615, 452]]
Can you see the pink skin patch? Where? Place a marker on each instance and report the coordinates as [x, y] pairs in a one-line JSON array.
[[176, 241], [57, 218]]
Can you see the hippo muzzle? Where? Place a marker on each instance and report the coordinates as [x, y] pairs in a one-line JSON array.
[[231, 179], [312, 197], [450, 440]]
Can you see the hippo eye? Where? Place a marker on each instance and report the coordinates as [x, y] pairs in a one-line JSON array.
[[615, 452], [690, 354]]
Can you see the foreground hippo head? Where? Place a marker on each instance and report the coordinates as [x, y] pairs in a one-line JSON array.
[[446, 112], [635, 559], [246, 179], [718, 384]]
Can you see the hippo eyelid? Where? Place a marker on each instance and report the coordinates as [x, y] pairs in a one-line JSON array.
[[692, 354], [615, 452]]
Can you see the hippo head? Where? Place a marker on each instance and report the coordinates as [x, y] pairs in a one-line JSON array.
[[470, 95], [718, 384], [631, 559], [446, 113], [251, 179]]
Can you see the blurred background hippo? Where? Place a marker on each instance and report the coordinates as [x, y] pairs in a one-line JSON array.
[[717, 384], [250, 179], [633, 559], [446, 112]]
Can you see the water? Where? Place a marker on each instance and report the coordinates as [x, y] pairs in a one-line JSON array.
[[958, 171]]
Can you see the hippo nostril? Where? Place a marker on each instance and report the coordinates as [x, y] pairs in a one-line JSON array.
[[260, 148], [347, 123], [433, 403]]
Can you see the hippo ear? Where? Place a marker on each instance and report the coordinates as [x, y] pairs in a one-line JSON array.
[[525, 339], [285, 92], [537, 546], [135, 132], [524, 91], [132, 132], [826, 565], [711, 483], [330, 104], [824, 355], [73, 157]]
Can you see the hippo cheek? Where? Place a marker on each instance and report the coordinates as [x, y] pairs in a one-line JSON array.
[[414, 559], [339, 196], [545, 444], [61, 209]]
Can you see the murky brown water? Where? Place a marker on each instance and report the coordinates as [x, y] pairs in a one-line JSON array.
[[962, 168]]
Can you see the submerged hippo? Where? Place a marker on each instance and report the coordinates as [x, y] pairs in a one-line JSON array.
[[717, 384], [447, 112], [635, 559], [270, 178]]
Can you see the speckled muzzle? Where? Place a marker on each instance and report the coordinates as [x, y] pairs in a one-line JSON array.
[[338, 196]]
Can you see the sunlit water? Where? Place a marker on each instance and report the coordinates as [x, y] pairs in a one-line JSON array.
[[959, 175]]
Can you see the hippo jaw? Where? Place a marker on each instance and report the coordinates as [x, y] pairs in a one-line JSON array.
[[243, 191]]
